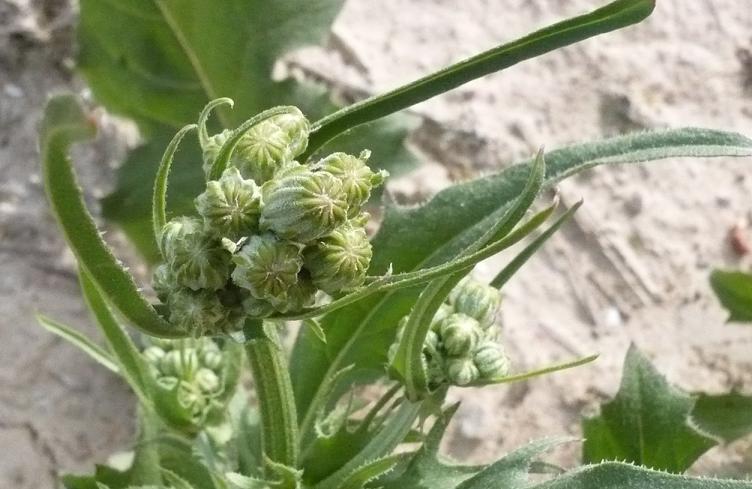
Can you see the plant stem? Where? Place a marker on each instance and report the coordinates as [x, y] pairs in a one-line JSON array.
[[279, 422]]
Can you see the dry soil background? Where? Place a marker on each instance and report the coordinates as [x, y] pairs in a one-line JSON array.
[[632, 267]]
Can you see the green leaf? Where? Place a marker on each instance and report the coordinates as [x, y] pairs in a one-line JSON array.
[[159, 62], [647, 423], [131, 363], [361, 476], [734, 290], [726, 416], [64, 122], [427, 470], [83, 342], [613, 16], [415, 238], [617, 475], [380, 445], [557, 367], [512, 470]]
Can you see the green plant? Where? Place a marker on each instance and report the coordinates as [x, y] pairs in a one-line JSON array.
[[277, 236]]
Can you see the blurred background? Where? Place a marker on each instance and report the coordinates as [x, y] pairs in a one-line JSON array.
[[632, 266]]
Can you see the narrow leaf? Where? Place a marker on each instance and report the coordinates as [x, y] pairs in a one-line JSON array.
[[647, 423], [159, 200], [507, 379], [734, 290], [361, 476], [80, 340], [64, 123], [613, 16]]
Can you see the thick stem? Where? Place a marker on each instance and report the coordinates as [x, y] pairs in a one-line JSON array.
[[279, 422]]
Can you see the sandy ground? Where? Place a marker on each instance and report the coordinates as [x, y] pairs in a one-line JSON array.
[[632, 266]]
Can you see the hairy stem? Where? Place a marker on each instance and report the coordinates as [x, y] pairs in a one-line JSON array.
[[279, 422]]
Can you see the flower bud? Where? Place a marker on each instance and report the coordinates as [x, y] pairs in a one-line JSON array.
[[199, 313], [477, 300], [300, 295], [257, 308], [191, 399], [153, 355], [167, 383], [442, 313], [181, 363], [460, 334], [356, 177], [163, 282], [210, 150], [303, 205], [435, 372], [339, 261], [491, 360], [267, 146], [267, 267], [461, 371], [211, 358], [230, 206], [194, 258], [207, 381]]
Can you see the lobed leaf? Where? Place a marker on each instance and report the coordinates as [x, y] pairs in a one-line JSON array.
[[647, 423], [64, 123], [726, 416], [734, 290]]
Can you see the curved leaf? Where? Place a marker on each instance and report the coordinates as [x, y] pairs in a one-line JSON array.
[[83, 342], [64, 123], [726, 416], [734, 290], [613, 16], [413, 238]]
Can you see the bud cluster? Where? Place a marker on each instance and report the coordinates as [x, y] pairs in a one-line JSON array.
[[192, 372], [462, 345], [271, 232]]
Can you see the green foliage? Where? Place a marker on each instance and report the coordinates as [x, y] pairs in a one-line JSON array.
[[279, 239], [725, 416], [734, 290], [160, 62], [647, 423]]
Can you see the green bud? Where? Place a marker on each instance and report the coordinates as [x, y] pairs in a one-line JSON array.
[[153, 355], [443, 312], [477, 300], [461, 371], [269, 145], [191, 398], [230, 206], [300, 295], [491, 360], [257, 308], [211, 358], [303, 205], [460, 334], [163, 282], [195, 259], [167, 383], [267, 267], [199, 313], [207, 380], [435, 372], [356, 177], [340, 260], [181, 363], [211, 149]]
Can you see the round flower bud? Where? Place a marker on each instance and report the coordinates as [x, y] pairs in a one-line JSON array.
[[181, 363], [435, 372], [194, 258], [477, 300], [339, 261], [304, 205], [431, 344], [230, 206], [210, 150], [257, 308], [267, 146], [210, 356], [206, 380], [459, 334], [356, 177], [442, 313], [491, 360], [198, 313], [191, 399], [167, 383], [153, 354], [461, 371], [300, 295], [267, 267]]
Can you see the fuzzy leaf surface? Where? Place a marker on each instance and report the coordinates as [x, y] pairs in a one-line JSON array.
[[647, 423], [414, 238], [727, 416], [734, 290], [158, 62]]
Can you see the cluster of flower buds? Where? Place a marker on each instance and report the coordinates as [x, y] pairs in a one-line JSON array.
[[271, 233], [463, 344], [194, 375]]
